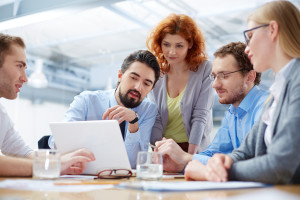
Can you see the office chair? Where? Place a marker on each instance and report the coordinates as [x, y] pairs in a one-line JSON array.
[[43, 142]]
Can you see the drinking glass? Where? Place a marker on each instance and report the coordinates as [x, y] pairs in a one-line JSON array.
[[46, 164], [149, 166]]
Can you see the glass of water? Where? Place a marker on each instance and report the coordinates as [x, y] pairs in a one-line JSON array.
[[149, 166], [46, 164]]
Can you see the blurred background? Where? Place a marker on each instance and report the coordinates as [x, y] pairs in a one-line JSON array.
[[76, 45]]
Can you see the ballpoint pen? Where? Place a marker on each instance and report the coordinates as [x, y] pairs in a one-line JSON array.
[[87, 182], [152, 146]]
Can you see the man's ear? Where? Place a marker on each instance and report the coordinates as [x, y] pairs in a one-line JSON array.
[[119, 75], [251, 76]]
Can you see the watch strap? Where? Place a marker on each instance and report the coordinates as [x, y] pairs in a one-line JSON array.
[[135, 119]]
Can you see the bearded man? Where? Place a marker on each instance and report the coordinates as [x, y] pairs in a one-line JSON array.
[[127, 103]]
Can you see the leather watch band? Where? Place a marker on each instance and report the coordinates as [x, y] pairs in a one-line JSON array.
[[135, 119]]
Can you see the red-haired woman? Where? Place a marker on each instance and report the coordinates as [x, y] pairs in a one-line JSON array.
[[184, 93]]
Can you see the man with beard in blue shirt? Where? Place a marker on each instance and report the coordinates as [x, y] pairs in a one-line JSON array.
[[127, 103]]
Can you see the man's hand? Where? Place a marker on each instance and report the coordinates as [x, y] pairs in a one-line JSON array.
[[217, 167], [215, 170], [124, 114], [195, 171], [174, 157], [119, 112], [75, 162]]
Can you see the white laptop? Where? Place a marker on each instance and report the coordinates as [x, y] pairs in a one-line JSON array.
[[102, 137]]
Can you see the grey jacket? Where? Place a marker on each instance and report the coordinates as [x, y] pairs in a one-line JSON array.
[[196, 107], [280, 162]]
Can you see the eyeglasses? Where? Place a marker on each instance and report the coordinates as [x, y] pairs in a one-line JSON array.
[[115, 173], [222, 75], [247, 39]]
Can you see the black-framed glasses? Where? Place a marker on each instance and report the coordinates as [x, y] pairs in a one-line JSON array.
[[222, 75], [115, 173], [247, 39]]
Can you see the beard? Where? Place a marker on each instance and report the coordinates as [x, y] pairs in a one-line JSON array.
[[130, 102], [234, 96], [7, 91]]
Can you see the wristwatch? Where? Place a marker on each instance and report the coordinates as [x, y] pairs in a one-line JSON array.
[[135, 119]]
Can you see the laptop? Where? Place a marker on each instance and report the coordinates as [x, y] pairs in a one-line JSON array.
[[102, 137]]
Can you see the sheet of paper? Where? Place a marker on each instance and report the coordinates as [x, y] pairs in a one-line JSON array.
[[48, 185], [172, 176], [166, 175], [274, 194], [189, 185]]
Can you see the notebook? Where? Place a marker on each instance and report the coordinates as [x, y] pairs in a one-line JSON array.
[[102, 137]]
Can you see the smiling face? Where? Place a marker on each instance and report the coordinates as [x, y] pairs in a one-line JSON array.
[[12, 72], [259, 49], [233, 88], [174, 48], [135, 83]]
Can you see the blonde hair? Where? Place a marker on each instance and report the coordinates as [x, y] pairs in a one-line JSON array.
[[288, 18]]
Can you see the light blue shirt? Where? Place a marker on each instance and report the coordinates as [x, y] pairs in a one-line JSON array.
[[235, 125], [90, 105]]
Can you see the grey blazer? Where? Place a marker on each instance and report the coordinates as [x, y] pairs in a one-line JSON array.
[[280, 162], [196, 107]]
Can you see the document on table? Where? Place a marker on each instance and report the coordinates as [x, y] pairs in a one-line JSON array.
[[170, 176], [48, 185], [273, 194], [189, 185], [78, 177]]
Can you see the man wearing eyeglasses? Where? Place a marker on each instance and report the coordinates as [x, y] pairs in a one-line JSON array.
[[127, 103], [235, 82]]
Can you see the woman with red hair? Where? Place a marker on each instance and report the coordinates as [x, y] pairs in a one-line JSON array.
[[184, 93]]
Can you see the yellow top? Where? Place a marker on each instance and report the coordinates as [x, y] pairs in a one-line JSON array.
[[175, 128]]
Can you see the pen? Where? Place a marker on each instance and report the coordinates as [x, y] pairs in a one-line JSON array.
[[86, 183], [154, 147]]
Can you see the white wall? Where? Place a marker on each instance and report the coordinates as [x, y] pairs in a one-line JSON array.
[[31, 120]]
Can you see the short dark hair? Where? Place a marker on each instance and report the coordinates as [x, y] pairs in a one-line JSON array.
[[5, 45], [237, 50], [143, 56]]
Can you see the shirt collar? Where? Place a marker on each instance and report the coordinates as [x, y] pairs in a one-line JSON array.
[[112, 99], [280, 79], [246, 103]]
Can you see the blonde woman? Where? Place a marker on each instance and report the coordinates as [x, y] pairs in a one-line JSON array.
[[270, 152]]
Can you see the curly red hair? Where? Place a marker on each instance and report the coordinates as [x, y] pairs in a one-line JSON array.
[[187, 28]]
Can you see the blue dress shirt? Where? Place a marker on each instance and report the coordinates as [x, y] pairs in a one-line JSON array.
[[235, 125], [90, 105]]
